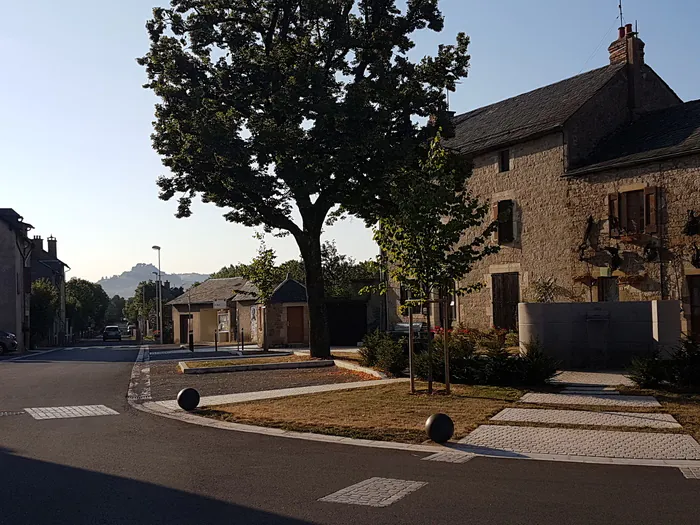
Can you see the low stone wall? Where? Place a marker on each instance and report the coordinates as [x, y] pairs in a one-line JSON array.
[[600, 335]]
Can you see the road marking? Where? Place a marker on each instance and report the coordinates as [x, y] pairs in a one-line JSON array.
[[691, 472], [374, 492], [70, 411], [449, 457], [12, 413], [140, 382]]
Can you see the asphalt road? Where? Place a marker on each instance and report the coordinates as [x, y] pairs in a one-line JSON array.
[[136, 468]]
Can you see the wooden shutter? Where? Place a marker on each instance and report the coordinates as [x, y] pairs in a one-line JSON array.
[[614, 214], [651, 210], [494, 218]]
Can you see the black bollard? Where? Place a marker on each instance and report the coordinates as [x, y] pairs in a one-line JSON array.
[[188, 399], [439, 428]]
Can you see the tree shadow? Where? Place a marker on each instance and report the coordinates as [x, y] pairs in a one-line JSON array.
[[36, 491]]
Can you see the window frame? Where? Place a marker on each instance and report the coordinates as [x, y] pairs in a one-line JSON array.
[[618, 212], [504, 161], [405, 295], [504, 223]]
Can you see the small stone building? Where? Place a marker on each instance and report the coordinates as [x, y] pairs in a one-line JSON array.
[[595, 183], [195, 311], [287, 316]]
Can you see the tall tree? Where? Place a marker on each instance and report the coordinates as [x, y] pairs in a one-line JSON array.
[[115, 309], [435, 237], [43, 307], [280, 106], [86, 304]]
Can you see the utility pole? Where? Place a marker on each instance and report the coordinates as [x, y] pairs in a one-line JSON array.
[[159, 300]]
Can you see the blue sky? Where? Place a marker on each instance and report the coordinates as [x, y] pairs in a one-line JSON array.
[[75, 153]]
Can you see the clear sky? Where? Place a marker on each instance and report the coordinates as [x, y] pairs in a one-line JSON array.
[[75, 153]]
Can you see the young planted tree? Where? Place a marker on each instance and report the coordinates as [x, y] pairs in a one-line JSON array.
[[282, 111], [434, 238]]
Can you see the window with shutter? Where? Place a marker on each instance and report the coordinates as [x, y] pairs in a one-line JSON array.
[[506, 231], [651, 209]]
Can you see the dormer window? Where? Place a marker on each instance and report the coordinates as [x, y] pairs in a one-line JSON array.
[[504, 160]]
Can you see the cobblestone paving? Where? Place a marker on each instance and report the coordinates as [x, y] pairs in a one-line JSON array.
[[592, 399], [449, 457], [374, 492], [592, 443], [580, 417], [591, 378], [68, 412], [691, 472]]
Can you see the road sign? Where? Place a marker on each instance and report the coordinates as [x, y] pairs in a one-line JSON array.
[[220, 304]]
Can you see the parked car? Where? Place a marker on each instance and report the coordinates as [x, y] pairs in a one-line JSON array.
[[8, 342], [112, 332]]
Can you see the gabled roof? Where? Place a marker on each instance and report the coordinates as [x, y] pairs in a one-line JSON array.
[[232, 288], [665, 133], [289, 291], [539, 111]]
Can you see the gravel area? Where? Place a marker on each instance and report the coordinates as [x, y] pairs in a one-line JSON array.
[[166, 381]]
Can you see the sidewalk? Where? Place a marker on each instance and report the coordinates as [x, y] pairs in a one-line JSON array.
[[550, 433]]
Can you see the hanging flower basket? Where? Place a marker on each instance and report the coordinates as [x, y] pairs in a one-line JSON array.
[[586, 280]]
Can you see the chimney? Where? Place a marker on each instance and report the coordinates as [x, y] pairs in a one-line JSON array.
[[629, 49], [38, 243], [51, 242]]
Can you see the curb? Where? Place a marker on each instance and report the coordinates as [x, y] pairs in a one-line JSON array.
[[261, 366], [358, 368]]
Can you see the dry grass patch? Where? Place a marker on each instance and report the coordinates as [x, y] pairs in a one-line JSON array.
[[385, 413], [249, 361]]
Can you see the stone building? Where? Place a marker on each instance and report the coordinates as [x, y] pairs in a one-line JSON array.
[[45, 264], [15, 275], [593, 181]]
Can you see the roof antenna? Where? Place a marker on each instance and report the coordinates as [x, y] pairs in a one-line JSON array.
[[621, 21]]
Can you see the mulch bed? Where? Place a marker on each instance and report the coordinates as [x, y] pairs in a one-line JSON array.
[[167, 381]]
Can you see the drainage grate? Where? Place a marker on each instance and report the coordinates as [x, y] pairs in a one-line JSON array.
[[12, 413]]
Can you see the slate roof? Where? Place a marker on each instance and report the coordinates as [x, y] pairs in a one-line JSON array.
[[526, 115], [289, 291], [233, 288], [669, 132]]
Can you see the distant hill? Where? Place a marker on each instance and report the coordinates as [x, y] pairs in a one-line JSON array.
[[125, 283]]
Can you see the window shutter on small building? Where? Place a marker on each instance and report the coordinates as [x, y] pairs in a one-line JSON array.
[[494, 218], [614, 214], [651, 210]]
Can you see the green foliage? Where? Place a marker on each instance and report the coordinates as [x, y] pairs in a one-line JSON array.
[[263, 272], [476, 358], [648, 372], [380, 350], [423, 238], [512, 339], [534, 366], [86, 304], [269, 111], [544, 290], [44, 305], [115, 309], [680, 371]]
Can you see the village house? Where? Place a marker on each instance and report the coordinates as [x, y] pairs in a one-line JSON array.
[[595, 183], [45, 264]]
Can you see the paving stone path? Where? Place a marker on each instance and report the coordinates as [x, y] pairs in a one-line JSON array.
[[590, 443], [582, 417], [586, 389]]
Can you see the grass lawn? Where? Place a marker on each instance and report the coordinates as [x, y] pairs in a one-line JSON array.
[[250, 361], [386, 413]]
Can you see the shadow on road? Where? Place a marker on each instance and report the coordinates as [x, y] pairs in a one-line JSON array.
[[47, 493]]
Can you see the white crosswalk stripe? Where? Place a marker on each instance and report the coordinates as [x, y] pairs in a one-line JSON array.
[[70, 411]]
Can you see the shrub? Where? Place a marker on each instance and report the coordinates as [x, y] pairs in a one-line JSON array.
[[685, 365], [500, 367], [391, 358], [462, 349], [647, 372], [512, 339], [370, 346], [534, 366]]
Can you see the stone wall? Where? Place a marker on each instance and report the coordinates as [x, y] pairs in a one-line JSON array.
[[534, 182], [11, 284], [664, 278]]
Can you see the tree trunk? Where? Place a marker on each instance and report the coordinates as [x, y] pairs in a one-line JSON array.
[[310, 247], [266, 342]]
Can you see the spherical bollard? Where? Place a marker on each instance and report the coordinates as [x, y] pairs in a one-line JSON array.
[[188, 399], [439, 428]]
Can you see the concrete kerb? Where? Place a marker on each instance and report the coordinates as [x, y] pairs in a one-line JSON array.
[[185, 369], [156, 409]]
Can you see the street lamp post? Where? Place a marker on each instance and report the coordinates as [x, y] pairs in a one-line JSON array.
[[160, 300]]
